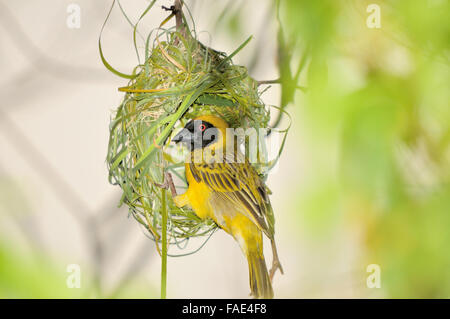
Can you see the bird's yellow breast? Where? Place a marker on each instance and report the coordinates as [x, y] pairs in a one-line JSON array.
[[198, 195]]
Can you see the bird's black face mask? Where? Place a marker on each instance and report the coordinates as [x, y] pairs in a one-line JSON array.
[[197, 134]]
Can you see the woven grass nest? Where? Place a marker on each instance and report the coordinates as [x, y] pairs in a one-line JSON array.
[[179, 80]]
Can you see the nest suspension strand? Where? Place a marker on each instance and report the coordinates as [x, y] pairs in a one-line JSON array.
[[179, 80]]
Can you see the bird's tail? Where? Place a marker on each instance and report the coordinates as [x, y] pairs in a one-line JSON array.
[[260, 284]]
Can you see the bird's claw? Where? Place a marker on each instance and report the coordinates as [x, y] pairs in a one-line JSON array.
[[168, 184], [275, 262]]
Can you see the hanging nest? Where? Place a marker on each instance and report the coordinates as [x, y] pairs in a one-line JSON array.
[[180, 79]]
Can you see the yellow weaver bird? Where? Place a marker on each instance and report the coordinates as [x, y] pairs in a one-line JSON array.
[[224, 186]]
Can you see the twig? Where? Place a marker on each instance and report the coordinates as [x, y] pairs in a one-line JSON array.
[[276, 81], [178, 11]]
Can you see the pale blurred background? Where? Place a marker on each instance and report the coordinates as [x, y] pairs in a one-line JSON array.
[[364, 177]]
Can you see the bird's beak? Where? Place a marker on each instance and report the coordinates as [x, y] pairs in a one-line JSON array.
[[183, 136]]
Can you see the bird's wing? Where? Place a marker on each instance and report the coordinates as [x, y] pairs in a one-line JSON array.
[[240, 184]]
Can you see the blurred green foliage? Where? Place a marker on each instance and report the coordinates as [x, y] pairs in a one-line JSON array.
[[376, 117], [35, 275], [31, 277]]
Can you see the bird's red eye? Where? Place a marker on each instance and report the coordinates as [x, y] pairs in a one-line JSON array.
[[202, 127]]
